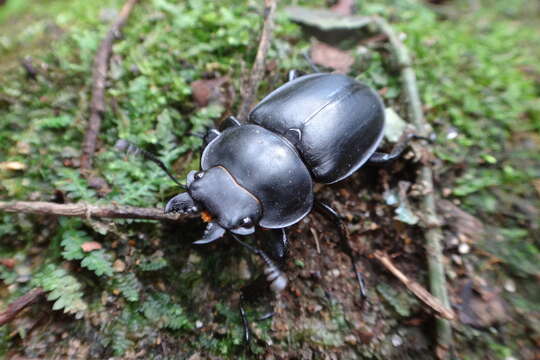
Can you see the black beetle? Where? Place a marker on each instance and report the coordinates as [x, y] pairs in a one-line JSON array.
[[315, 128]]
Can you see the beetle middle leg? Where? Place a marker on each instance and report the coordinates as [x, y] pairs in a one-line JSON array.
[[273, 278], [294, 74], [344, 241]]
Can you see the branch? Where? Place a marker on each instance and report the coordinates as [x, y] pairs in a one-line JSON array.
[[433, 232], [89, 210], [19, 305], [99, 77], [257, 71], [415, 287]]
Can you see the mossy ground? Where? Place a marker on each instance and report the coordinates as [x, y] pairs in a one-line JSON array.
[[149, 294]]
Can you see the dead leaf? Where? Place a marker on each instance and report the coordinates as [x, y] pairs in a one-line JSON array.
[[394, 125], [325, 20], [12, 166], [329, 56], [481, 306], [462, 224], [211, 91], [9, 263], [90, 246]]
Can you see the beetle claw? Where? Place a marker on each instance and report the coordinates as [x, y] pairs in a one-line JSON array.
[[212, 233]]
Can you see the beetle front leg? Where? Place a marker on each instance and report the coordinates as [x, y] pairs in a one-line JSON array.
[[344, 241]]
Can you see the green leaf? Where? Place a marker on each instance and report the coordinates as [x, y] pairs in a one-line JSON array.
[[129, 286], [98, 262], [57, 122], [64, 289], [72, 241]]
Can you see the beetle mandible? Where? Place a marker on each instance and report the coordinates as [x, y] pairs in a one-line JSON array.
[[320, 127]]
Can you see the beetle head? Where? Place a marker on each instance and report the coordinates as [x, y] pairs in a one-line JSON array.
[[224, 203]]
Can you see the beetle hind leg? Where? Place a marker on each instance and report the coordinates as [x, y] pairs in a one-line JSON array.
[[344, 242], [397, 151]]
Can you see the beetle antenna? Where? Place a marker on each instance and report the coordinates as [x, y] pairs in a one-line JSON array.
[[132, 149]]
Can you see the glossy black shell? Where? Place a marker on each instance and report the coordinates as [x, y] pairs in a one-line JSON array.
[[340, 122], [269, 167]]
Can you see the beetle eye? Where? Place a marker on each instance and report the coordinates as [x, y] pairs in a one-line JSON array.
[[199, 175], [246, 222]]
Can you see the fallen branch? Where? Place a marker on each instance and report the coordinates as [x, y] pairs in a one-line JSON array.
[[19, 305], [257, 71], [415, 287], [433, 232], [89, 210], [99, 77]]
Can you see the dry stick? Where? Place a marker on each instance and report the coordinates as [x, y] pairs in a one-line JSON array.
[[415, 287], [433, 233], [19, 305], [89, 210], [78, 210], [99, 77], [257, 71]]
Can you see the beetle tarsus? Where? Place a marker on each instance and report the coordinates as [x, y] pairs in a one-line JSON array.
[[245, 323], [314, 67], [266, 316]]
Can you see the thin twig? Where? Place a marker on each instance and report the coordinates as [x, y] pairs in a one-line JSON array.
[[19, 305], [99, 77], [433, 233], [415, 287], [89, 210], [257, 71]]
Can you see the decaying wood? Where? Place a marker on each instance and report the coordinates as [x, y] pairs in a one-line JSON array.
[[89, 211], [433, 232], [257, 72], [19, 305], [99, 78], [415, 287]]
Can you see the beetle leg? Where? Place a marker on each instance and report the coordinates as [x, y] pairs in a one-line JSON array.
[[397, 151], [277, 245], [294, 74], [272, 274], [210, 135], [277, 279], [230, 121], [344, 241]]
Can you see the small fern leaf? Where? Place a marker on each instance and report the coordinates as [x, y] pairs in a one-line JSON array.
[[64, 290], [129, 286], [98, 262]]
